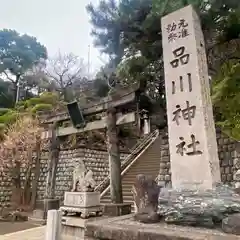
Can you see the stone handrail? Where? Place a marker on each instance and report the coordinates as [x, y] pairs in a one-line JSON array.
[[129, 159]]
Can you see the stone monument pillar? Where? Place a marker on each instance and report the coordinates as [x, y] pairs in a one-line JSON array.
[[192, 136]]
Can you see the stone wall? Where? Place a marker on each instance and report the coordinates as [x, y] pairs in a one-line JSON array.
[[6, 185], [5, 188], [95, 160], [229, 157]]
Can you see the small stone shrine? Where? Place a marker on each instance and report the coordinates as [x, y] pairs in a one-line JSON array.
[[82, 200]]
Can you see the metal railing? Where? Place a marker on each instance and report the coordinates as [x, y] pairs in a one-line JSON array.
[[135, 152]]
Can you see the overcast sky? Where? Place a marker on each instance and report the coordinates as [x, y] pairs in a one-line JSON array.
[[58, 24]]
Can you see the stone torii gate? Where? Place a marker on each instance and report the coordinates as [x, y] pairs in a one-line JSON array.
[[125, 106]]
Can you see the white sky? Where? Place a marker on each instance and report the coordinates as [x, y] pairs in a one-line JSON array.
[[57, 24]]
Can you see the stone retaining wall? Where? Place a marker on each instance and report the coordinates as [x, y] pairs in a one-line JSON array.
[[95, 160], [229, 155], [228, 152], [5, 187]]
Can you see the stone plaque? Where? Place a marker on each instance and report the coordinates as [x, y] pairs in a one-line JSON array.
[[192, 135], [82, 199]]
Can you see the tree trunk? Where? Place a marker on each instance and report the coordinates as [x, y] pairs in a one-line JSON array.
[[52, 165], [26, 187], [114, 158], [36, 173], [16, 175], [55, 158], [16, 189], [15, 89]]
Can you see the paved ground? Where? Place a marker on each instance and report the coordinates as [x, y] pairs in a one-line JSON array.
[[29, 234], [8, 227]]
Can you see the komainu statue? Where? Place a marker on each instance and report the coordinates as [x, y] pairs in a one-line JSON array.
[[82, 179]]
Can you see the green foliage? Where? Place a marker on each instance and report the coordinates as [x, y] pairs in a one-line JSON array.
[[44, 98], [47, 101], [9, 117], [231, 27], [41, 108], [106, 17], [49, 98], [21, 104], [33, 102], [226, 98], [101, 87], [3, 111], [137, 24], [6, 95], [18, 53]]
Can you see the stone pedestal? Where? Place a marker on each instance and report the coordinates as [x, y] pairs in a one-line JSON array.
[[73, 228], [116, 209], [82, 203]]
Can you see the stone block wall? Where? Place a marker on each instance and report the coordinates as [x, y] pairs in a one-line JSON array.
[[229, 157], [236, 163], [226, 151], [6, 184], [95, 160], [5, 188]]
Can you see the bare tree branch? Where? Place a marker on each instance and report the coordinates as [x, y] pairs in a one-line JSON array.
[[12, 80], [64, 70]]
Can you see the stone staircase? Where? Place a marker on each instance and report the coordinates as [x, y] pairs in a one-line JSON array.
[[144, 159]]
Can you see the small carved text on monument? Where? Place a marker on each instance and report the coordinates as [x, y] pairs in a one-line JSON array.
[[177, 30], [187, 113], [180, 57], [189, 78], [183, 147]]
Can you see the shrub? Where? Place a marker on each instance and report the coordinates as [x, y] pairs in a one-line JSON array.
[[4, 111], [49, 98], [9, 117], [45, 98], [33, 102], [21, 104], [41, 108]]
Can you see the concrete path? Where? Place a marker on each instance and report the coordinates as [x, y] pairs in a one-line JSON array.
[[37, 233]]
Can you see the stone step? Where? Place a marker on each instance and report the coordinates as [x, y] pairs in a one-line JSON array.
[[125, 197], [148, 165]]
